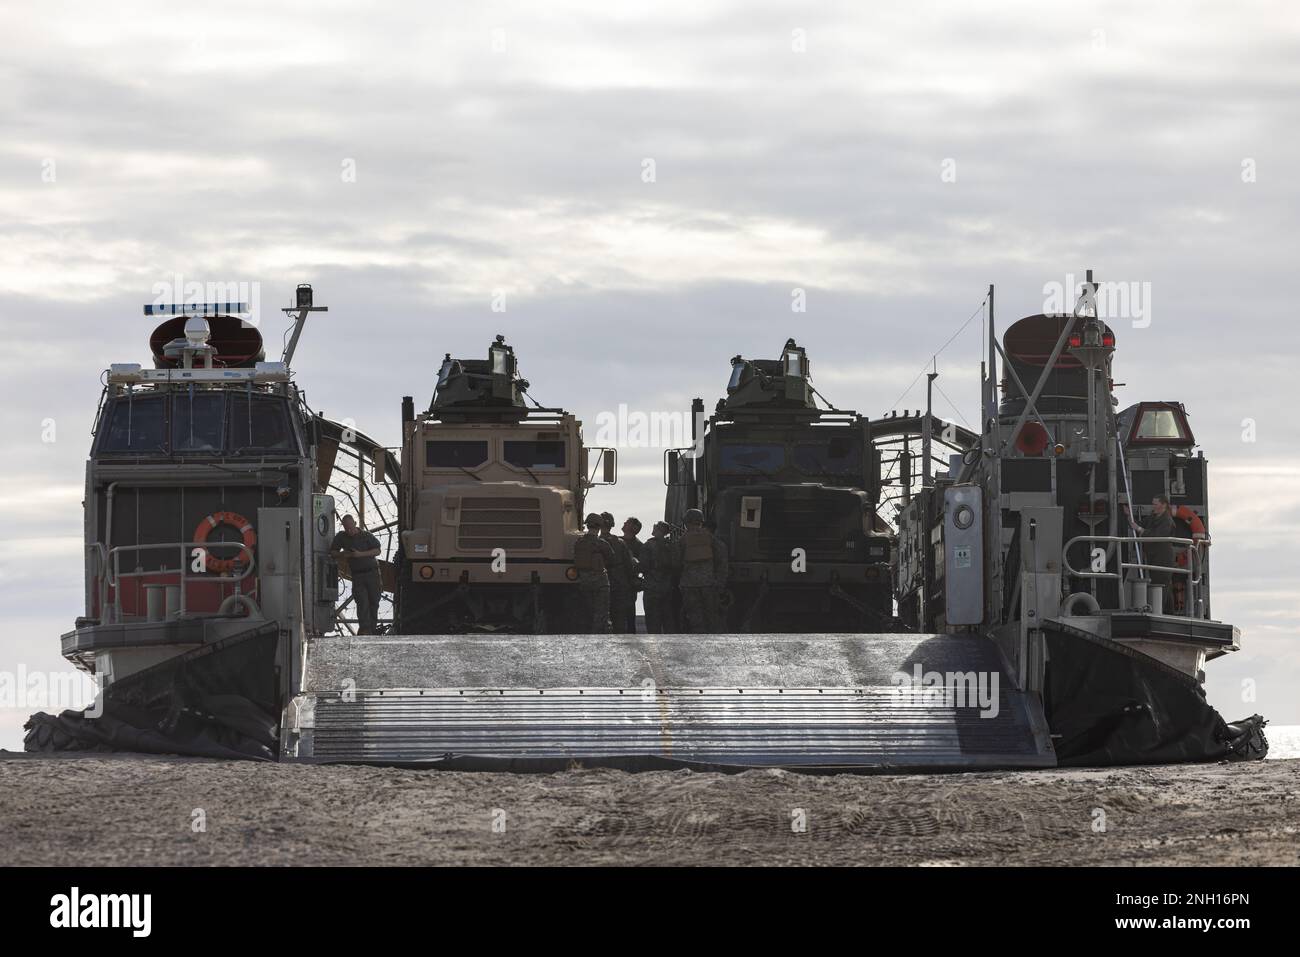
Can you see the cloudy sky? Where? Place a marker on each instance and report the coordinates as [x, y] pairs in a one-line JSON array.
[[644, 186]]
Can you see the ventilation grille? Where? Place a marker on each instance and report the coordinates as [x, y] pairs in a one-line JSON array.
[[509, 523]]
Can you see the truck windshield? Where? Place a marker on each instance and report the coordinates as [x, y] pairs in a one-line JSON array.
[[748, 459], [455, 453], [535, 455], [839, 456]]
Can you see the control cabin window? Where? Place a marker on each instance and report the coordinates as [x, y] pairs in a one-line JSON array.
[[1156, 425], [198, 422], [535, 455], [260, 425], [838, 456], [762, 459], [136, 425], [455, 453]]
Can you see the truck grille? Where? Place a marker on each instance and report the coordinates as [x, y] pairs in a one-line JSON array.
[[810, 524], [487, 523], [827, 524]]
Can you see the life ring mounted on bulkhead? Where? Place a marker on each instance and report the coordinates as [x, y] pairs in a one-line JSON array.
[[234, 520]]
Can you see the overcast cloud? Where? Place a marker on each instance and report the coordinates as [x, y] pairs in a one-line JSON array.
[[500, 148]]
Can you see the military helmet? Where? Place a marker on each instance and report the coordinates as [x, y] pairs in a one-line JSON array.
[[692, 516], [593, 519]]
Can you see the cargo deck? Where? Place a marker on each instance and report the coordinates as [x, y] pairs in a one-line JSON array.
[[516, 702]]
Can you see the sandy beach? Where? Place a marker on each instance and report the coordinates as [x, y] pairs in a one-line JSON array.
[[132, 810]]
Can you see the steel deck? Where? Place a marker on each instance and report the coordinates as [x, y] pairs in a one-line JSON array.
[[723, 701]]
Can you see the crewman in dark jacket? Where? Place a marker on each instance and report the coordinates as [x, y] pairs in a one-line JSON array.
[[1159, 524], [362, 551]]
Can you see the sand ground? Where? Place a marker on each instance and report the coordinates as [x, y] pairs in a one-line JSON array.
[[143, 810]]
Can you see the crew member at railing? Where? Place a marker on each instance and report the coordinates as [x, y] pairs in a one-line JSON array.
[[361, 549], [1159, 524]]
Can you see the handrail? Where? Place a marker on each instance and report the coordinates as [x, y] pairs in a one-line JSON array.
[[1128, 491], [114, 574], [1192, 571], [99, 573]]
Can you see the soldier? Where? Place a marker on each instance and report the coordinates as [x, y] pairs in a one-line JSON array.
[[711, 526], [675, 533], [659, 569], [591, 557], [703, 558], [631, 528], [622, 580]]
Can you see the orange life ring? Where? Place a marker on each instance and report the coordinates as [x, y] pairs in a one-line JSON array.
[[235, 520], [1193, 521]]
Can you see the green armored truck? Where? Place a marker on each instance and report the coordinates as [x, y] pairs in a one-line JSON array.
[[791, 489]]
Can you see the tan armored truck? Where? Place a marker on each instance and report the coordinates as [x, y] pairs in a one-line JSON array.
[[491, 505]]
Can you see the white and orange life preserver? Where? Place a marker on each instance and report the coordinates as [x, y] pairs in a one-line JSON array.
[[235, 520]]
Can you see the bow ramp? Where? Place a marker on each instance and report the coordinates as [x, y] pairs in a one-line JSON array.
[[543, 702]]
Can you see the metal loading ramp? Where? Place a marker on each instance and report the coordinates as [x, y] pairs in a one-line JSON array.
[[544, 702]]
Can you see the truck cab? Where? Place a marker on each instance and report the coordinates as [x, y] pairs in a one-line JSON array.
[[792, 490], [492, 503]]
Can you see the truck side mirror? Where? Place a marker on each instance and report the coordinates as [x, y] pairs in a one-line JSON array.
[[673, 468], [608, 462], [378, 458]]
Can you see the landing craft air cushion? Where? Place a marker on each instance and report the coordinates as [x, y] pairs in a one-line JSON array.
[[1027, 543], [1068, 658], [209, 511]]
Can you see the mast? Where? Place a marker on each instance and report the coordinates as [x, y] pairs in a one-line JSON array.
[[304, 306], [927, 428]]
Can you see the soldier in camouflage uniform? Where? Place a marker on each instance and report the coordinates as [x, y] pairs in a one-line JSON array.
[[632, 528], [592, 556], [703, 559], [659, 569], [622, 580]]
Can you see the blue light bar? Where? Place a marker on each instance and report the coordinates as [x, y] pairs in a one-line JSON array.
[[198, 309]]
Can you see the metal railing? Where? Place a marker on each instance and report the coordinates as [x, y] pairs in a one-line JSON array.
[[110, 562], [1192, 600]]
